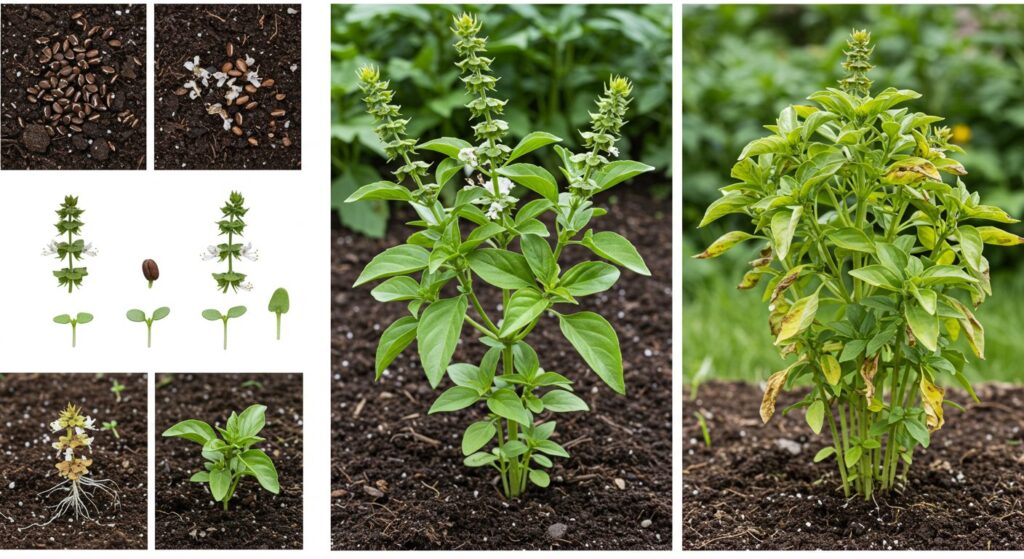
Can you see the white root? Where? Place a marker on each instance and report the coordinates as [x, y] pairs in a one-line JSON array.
[[79, 499]]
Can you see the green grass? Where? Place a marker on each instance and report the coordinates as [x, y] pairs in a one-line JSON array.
[[725, 330]]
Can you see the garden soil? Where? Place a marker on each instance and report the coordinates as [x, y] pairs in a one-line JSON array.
[[398, 481], [186, 515], [28, 403], [117, 138], [758, 488], [268, 134]]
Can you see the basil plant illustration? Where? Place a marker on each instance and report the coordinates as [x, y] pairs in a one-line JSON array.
[[491, 237], [872, 265]]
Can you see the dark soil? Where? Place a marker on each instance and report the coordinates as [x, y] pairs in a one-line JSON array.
[[749, 492], [115, 90], [383, 440], [187, 136], [186, 515], [28, 403]]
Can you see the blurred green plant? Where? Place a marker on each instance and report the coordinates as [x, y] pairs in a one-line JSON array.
[[549, 56], [743, 64]]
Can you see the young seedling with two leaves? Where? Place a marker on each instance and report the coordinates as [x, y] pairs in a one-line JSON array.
[[486, 236], [214, 314], [80, 318], [137, 315], [872, 262], [230, 458], [279, 305]]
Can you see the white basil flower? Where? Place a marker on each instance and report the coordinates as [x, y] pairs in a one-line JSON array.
[[90, 250], [250, 253], [613, 151], [247, 286], [468, 156], [55, 426], [254, 79], [90, 423], [50, 249], [211, 253], [68, 455]]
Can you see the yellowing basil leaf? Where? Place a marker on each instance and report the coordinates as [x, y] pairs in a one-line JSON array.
[[924, 326], [996, 236], [798, 319], [784, 224], [816, 415], [931, 401], [830, 368], [724, 243], [852, 238]]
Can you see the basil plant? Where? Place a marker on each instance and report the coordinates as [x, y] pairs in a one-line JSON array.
[[872, 263], [490, 237]]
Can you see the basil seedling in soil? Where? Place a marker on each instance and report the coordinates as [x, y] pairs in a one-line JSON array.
[[486, 235], [228, 460], [214, 314], [279, 305], [112, 427], [80, 318], [67, 248], [231, 227], [117, 388], [136, 315], [150, 271], [74, 468], [872, 264]]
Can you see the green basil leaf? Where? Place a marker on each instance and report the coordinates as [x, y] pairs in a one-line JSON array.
[[540, 258], [402, 259], [477, 436], [212, 314], [925, 326], [193, 430], [455, 398], [616, 249], [398, 288], [393, 342], [506, 403], [618, 171], [851, 238], [437, 334], [531, 142], [587, 278], [235, 312], [200, 477], [535, 178], [480, 459], [596, 342], [161, 313], [136, 315], [540, 478], [381, 190], [220, 482], [501, 268], [561, 401], [263, 468], [279, 302], [816, 415], [523, 307], [446, 145], [251, 421]]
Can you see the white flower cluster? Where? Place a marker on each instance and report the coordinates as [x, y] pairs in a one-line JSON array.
[[247, 252], [496, 202], [223, 80], [51, 249]]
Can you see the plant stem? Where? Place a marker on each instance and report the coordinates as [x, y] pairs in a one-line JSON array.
[[74, 334], [840, 452], [513, 427], [225, 320], [279, 326], [149, 334]]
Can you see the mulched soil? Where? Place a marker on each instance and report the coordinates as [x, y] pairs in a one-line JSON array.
[[187, 136], [398, 481], [186, 515], [750, 492], [117, 138], [30, 401]]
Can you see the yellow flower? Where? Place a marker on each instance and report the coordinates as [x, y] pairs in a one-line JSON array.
[[961, 134], [75, 468]]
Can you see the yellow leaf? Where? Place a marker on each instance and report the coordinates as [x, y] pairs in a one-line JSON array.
[[830, 368], [911, 170], [996, 236], [786, 282], [724, 243], [799, 317], [772, 389], [867, 372], [931, 400], [973, 331]]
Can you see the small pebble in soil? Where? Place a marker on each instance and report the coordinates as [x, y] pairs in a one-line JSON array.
[[789, 446], [620, 483], [557, 530], [646, 523]]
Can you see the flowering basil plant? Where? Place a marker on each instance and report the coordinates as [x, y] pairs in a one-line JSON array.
[[872, 264], [490, 237]]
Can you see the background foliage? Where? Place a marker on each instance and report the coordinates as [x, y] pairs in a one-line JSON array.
[[743, 64], [552, 60]]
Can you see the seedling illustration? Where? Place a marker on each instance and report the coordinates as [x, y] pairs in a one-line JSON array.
[[214, 314], [80, 318], [279, 305], [136, 315], [227, 460]]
